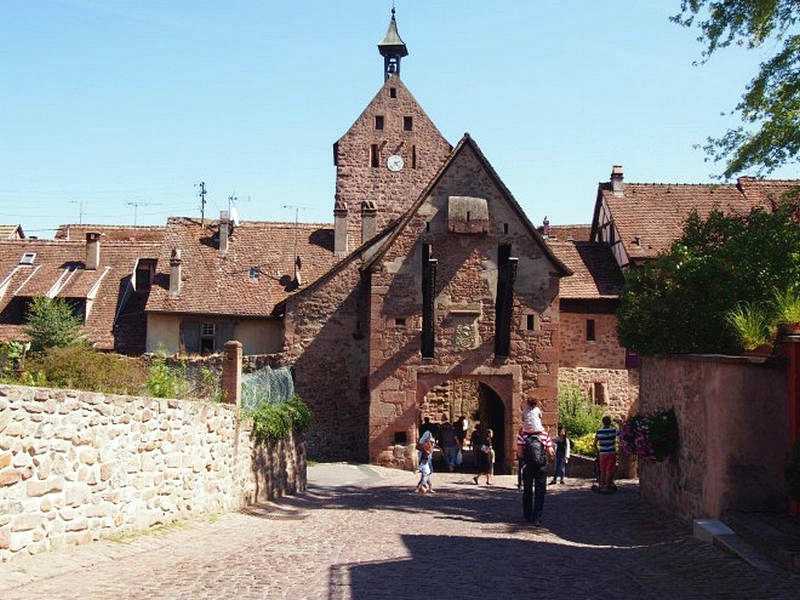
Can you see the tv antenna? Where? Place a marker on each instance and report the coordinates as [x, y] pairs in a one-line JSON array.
[[80, 204], [136, 204], [297, 208], [202, 195]]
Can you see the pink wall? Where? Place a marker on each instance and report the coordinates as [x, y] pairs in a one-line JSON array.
[[731, 416]]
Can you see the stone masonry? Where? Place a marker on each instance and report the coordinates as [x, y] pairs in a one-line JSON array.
[[597, 366], [80, 466], [422, 148]]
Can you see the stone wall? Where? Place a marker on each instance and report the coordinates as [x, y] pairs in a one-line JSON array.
[[450, 400], [732, 422], [617, 390], [80, 466], [604, 352]]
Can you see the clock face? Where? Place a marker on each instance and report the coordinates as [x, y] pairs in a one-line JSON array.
[[395, 162]]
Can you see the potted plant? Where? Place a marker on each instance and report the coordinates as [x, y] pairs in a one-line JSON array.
[[753, 328], [787, 308]]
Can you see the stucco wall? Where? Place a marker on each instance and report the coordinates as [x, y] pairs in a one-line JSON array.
[[731, 416], [80, 466], [258, 336]]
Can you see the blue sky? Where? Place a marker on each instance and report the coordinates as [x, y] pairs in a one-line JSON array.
[[116, 102]]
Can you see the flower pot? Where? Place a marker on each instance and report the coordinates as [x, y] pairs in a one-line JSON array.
[[790, 329], [760, 354]]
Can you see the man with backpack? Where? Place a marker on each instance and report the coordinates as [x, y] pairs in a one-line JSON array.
[[533, 450]]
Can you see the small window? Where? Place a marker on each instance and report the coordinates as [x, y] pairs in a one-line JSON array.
[[400, 322], [254, 273], [590, 333], [530, 322], [408, 123], [427, 226], [27, 258], [207, 329], [392, 92], [413, 157], [400, 437], [599, 393], [374, 157], [505, 227], [378, 121]]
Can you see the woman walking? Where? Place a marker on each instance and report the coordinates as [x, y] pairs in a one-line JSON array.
[[425, 448]]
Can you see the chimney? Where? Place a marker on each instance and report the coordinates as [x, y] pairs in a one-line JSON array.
[[545, 228], [92, 250], [369, 220], [616, 180], [224, 231], [175, 273], [340, 228]]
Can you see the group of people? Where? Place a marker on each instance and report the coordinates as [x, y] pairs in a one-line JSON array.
[[535, 449]]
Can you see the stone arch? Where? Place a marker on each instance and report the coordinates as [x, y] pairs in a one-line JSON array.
[[505, 382]]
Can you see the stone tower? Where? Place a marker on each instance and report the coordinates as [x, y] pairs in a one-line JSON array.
[[386, 157]]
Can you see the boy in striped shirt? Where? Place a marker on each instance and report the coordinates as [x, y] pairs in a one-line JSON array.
[[605, 442]]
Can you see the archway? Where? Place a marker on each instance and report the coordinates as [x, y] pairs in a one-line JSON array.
[[486, 399]]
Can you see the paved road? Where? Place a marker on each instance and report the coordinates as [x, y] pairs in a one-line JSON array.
[[360, 534]]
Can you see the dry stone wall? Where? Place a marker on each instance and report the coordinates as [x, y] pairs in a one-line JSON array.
[[616, 390], [80, 466]]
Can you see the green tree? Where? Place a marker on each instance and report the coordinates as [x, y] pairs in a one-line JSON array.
[[680, 301], [51, 323], [770, 106], [576, 413]]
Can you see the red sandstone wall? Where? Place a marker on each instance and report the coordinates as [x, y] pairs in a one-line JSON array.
[[330, 363], [466, 279], [731, 415], [603, 353], [392, 192]]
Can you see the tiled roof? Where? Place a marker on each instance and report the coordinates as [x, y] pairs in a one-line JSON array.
[[650, 216], [769, 192], [568, 233], [142, 233], [222, 284], [9, 232], [595, 273], [59, 268]]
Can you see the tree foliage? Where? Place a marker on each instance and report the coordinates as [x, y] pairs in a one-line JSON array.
[[770, 106], [51, 323], [680, 301], [576, 413]]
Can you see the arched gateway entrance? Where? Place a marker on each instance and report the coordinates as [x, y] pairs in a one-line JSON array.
[[486, 397]]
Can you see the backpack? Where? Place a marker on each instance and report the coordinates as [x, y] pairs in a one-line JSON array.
[[533, 451]]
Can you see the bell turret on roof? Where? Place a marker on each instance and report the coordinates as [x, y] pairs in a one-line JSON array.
[[392, 48]]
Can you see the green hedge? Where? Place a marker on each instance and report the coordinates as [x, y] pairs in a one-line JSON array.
[[274, 421]]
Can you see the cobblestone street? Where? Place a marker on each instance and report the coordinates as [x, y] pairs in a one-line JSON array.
[[360, 533]]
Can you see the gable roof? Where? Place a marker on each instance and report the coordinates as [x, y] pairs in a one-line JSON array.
[[212, 283], [649, 217], [595, 273], [11, 232], [142, 233], [467, 141], [58, 270]]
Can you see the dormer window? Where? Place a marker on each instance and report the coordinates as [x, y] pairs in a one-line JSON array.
[[27, 258]]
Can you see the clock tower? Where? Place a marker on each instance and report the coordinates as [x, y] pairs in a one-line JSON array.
[[387, 156]]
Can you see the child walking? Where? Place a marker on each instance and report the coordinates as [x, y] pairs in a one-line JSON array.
[[562, 454], [425, 447]]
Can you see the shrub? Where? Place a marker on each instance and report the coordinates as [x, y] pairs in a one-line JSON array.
[[51, 323], [584, 445], [83, 368], [164, 381], [274, 421], [11, 356], [793, 473], [576, 413], [651, 437], [787, 305], [679, 302]]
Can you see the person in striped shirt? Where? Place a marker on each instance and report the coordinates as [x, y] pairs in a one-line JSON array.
[[534, 477], [605, 442]]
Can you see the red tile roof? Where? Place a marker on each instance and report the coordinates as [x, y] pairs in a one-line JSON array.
[[141, 233], [650, 216], [595, 272], [569, 233], [222, 284], [11, 232], [769, 192], [59, 268]]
